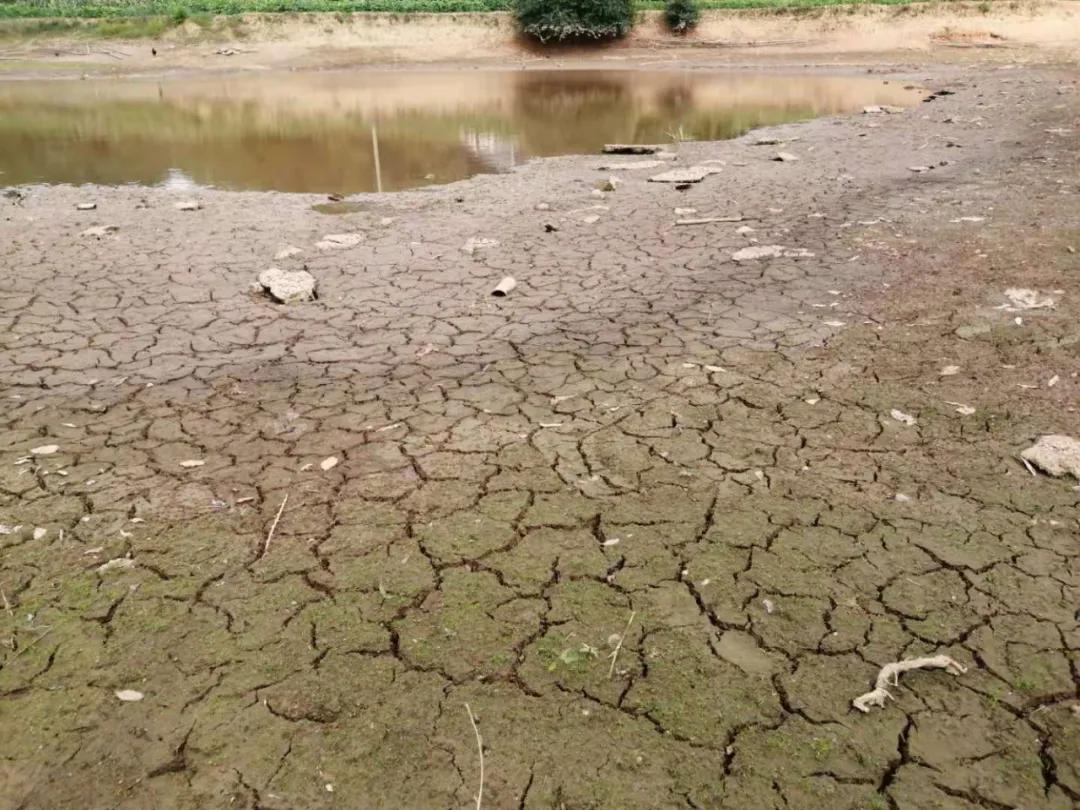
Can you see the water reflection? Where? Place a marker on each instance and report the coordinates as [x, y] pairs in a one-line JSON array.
[[319, 132]]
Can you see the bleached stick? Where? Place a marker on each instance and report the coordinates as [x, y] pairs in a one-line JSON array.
[[890, 676], [273, 526], [622, 638], [480, 748]]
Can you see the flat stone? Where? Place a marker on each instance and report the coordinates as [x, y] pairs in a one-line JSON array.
[[287, 252], [99, 231], [117, 564], [1024, 298], [691, 174], [1055, 455], [189, 205], [475, 243], [288, 287], [632, 165], [755, 252], [336, 241]]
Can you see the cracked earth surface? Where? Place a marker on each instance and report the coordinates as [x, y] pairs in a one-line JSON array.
[[644, 431]]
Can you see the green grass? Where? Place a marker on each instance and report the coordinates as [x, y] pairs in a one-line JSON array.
[[104, 27], [177, 11]]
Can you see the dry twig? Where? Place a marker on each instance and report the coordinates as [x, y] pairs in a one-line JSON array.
[[32, 643], [622, 638], [480, 748], [890, 676], [273, 526], [709, 220]]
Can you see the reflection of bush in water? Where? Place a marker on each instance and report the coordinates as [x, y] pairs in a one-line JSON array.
[[571, 111], [579, 113]]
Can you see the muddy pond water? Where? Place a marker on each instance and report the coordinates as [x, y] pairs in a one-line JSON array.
[[347, 132]]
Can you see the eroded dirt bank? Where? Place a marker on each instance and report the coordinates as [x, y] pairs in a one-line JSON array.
[[948, 30], [647, 447]]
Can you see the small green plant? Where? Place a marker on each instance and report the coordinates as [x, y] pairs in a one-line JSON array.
[[558, 20], [821, 748], [1025, 684], [681, 15]]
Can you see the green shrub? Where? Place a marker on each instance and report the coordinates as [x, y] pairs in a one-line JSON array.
[[681, 15], [575, 19]]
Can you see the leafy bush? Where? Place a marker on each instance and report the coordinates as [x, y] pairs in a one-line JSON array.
[[575, 19], [681, 15]]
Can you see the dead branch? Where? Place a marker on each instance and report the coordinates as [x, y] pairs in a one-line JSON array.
[[273, 526], [480, 748], [622, 638], [890, 676]]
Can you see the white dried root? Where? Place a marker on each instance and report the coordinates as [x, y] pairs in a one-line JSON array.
[[890, 676]]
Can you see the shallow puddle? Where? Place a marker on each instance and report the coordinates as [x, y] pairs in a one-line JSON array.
[[347, 132]]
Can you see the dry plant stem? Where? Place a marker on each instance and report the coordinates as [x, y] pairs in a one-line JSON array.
[[709, 220], [480, 748], [890, 676], [32, 643], [273, 526], [622, 638]]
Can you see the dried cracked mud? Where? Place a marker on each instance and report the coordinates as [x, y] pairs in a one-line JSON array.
[[646, 448]]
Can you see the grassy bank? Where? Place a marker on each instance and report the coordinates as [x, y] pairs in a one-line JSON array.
[[178, 10]]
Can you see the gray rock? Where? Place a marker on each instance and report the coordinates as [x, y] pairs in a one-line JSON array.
[[288, 287], [337, 241], [755, 252], [287, 252], [98, 231], [475, 244], [691, 174], [1055, 455], [631, 165]]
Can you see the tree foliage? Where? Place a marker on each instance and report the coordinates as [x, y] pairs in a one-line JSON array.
[[575, 19], [681, 15]]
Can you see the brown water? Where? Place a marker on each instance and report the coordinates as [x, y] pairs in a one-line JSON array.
[[348, 132]]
